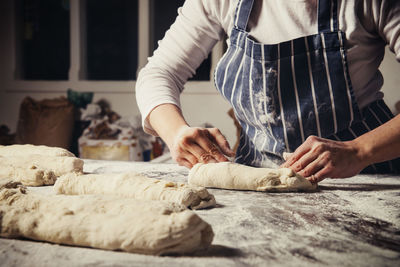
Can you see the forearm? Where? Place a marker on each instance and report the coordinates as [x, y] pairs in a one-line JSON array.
[[380, 144]]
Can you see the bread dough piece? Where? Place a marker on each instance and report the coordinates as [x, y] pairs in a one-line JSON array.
[[106, 222], [136, 186], [25, 171], [37, 170], [37, 165], [24, 150], [229, 175], [58, 165]]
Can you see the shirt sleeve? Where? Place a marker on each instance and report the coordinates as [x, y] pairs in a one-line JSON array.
[[386, 14], [185, 45]]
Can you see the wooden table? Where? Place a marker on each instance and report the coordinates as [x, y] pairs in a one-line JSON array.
[[350, 222]]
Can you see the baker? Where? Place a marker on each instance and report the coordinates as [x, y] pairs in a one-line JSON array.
[[301, 76]]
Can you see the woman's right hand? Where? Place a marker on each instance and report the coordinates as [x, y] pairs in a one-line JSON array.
[[194, 145], [188, 145]]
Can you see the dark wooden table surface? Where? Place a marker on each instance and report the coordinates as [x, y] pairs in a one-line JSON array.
[[347, 222]]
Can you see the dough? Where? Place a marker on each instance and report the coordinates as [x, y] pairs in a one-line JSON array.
[[25, 172], [37, 165], [229, 175], [107, 222], [136, 186], [37, 170], [24, 150], [58, 165]]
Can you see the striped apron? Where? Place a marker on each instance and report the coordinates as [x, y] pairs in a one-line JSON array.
[[285, 92]]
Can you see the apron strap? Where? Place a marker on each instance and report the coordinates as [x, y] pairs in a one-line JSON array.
[[327, 16], [242, 13]]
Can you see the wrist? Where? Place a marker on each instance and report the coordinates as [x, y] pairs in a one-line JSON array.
[[167, 121], [174, 133], [362, 152]]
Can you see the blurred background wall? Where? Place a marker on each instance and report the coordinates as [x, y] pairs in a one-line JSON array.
[[49, 46]]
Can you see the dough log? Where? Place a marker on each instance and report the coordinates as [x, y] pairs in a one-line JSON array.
[[136, 186], [25, 171], [24, 150], [37, 165], [229, 175], [106, 222]]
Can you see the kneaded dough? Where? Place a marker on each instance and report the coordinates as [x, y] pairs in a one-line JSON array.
[[106, 222], [37, 170], [58, 165], [37, 165], [136, 186], [229, 175], [24, 150], [25, 172]]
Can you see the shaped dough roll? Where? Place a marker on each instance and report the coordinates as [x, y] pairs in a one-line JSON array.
[[106, 222], [136, 186], [24, 150], [58, 165], [25, 172], [37, 170], [229, 175]]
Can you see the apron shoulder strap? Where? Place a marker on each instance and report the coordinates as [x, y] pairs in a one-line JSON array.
[[242, 14], [327, 16]]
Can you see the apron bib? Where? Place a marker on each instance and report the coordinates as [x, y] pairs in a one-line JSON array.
[[283, 93]]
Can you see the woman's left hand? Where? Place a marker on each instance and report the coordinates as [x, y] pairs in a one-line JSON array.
[[319, 158]]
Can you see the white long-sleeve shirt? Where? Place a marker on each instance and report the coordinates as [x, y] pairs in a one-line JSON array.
[[369, 26]]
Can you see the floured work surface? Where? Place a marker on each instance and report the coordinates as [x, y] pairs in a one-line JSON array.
[[353, 222]]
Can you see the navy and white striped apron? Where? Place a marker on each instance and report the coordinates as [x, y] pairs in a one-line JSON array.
[[285, 92]]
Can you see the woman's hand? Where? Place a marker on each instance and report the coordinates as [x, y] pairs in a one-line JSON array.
[[194, 144], [188, 145], [318, 158]]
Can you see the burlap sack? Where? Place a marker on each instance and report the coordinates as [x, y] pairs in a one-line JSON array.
[[47, 122]]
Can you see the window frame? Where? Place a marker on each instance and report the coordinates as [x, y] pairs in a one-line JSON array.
[[13, 81]]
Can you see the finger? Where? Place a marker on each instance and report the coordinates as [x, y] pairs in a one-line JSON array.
[[190, 145], [207, 158], [183, 154], [319, 176], [304, 161], [201, 146], [200, 154], [286, 155], [190, 158], [211, 149], [313, 168], [313, 179], [184, 162], [297, 154], [300, 151], [220, 140]]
